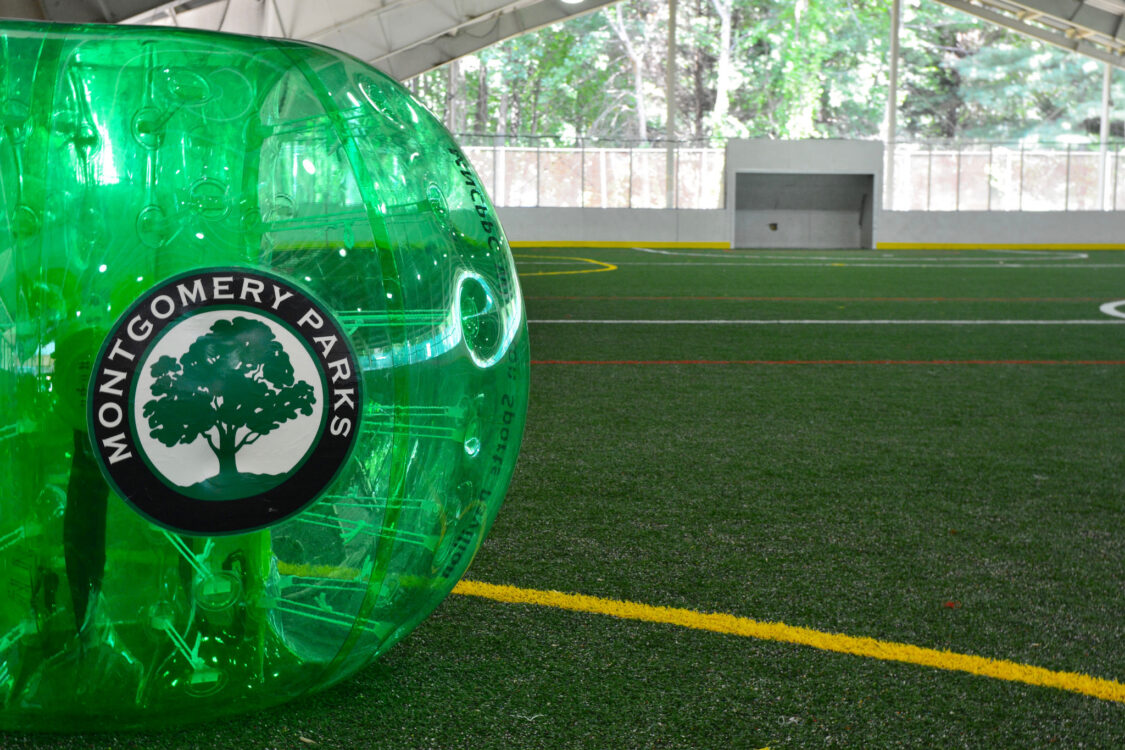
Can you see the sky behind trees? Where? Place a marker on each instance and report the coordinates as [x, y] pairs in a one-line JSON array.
[[772, 68]]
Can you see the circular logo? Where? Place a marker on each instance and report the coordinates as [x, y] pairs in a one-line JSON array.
[[222, 401]]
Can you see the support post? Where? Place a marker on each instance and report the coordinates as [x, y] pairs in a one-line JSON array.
[[892, 110], [1066, 194], [1103, 138], [670, 113]]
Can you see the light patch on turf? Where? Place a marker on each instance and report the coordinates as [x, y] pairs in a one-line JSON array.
[[999, 669]]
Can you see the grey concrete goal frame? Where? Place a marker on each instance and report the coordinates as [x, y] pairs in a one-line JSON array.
[[819, 193], [804, 210]]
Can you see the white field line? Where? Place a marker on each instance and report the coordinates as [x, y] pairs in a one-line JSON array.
[[1114, 309], [1038, 255], [1000, 264], [865, 264], [802, 261], [1075, 322], [1036, 259]]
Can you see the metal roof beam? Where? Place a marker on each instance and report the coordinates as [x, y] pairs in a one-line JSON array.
[[1075, 13], [1053, 35], [468, 38], [75, 11], [402, 37]]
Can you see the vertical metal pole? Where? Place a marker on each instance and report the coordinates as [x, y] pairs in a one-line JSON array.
[[988, 205], [929, 176], [670, 113], [1019, 203], [892, 110], [538, 167], [604, 187], [582, 169], [1103, 137], [495, 165], [1116, 175], [1066, 195], [630, 176], [957, 198]]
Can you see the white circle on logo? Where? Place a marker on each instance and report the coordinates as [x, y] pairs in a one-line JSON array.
[[273, 452]]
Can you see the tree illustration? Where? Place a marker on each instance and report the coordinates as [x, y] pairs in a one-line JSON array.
[[233, 385]]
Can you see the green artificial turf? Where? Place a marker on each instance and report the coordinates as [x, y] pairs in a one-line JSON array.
[[978, 508]]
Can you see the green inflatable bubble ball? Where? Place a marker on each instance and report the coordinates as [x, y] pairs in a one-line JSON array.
[[263, 372]]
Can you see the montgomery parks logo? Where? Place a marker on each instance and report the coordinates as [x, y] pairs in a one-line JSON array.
[[223, 401]]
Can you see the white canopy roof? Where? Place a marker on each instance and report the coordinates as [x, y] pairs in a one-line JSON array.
[[408, 37], [401, 37]]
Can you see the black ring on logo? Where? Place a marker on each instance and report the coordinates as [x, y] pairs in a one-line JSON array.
[[124, 354]]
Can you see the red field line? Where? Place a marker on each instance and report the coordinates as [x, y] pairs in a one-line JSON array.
[[1112, 362], [620, 298]]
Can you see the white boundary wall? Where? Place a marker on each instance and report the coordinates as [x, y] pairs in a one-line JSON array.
[[898, 228], [639, 225], [1025, 228], [921, 228]]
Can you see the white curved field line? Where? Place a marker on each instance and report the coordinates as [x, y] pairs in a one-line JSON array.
[[1114, 309]]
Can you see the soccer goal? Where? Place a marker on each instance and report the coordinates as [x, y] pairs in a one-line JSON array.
[[803, 209]]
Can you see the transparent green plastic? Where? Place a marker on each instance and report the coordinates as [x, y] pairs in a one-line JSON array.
[[131, 158]]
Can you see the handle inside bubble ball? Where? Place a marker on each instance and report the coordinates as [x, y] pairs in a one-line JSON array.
[[143, 171]]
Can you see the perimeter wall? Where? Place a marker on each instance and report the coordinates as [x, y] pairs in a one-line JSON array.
[[727, 226], [893, 229], [561, 226]]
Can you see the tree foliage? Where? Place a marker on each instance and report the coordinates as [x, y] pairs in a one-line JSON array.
[[791, 69], [233, 385]]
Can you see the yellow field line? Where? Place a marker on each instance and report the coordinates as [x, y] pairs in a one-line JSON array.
[[621, 244], [997, 246], [999, 669], [604, 266]]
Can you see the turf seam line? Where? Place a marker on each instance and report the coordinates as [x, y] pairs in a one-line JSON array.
[[1032, 246], [982, 264], [904, 322], [999, 255], [1000, 669], [916, 362], [696, 298]]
